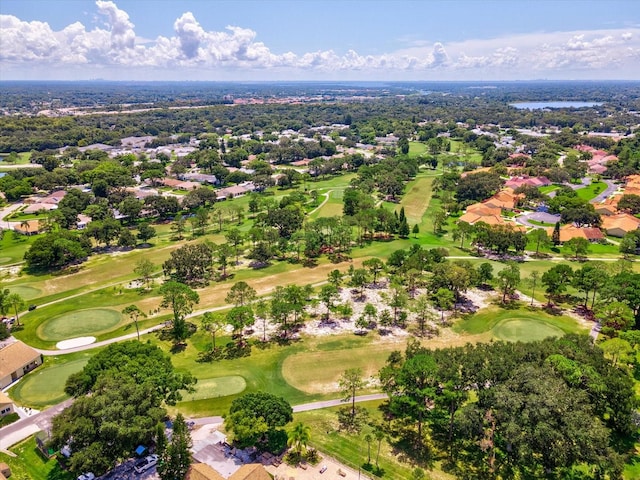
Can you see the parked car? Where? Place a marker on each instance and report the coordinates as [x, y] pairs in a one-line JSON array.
[[323, 469], [146, 463], [87, 476]]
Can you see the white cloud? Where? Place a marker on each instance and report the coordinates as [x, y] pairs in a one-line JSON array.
[[196, 52]]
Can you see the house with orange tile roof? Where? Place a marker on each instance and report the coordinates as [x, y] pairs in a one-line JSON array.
[[569, 232], [620, 224], [250, 471], [505, 199]]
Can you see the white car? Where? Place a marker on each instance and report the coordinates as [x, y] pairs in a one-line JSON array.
[[87, 476], [146, 463]]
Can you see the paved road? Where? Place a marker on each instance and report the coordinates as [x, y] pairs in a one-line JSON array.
[[611, 187], [26, 427]]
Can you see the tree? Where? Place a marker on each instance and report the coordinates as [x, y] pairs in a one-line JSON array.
[[108, 425], [415, 230], [191, 264], [180, 298], [239, 318], [299, 437], [146, 232], [335, 278], [16, 302], [556, 280], [255, 417], [462, 231], [328, 295], [235, 238], [350, 382], [175, 459], [509, 279], [144, 268], [397, 299], [541, 239], [615, 317], [358, 279], [57, 250], [143, 362], [134, 313], [555, 236], [178, 225], [375, 266], [241, 294], [535, 275], [422, 308], [213, 324], [578, 247], [368, 438], [444, 299]]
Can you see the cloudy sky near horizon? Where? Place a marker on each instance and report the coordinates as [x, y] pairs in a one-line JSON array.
[[319, 39]]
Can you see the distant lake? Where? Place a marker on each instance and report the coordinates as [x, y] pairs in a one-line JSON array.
[[539, 105]]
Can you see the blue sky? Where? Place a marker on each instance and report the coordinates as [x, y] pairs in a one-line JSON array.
[[316, 40]]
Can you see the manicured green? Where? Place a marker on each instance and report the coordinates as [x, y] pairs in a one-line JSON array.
[[525, 329], [79, 323], [30, 464], [216, 387], [45, 386], [521, 324]]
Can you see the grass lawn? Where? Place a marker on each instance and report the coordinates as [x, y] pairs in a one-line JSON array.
[[317, 372], [517, 325], [352, 450], [45, 385], [416, 199], [13, 246], [30, 464], [333, 207], [591, 191], [547, 189]]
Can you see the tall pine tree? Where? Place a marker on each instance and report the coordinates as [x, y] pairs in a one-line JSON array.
[[176, 457]]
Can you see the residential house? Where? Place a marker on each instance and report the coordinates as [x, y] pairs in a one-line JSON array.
[[30, 227], [505, 199], [620, 224], [517, 182], [481, 212], [16, 360], [609, 206], [180, 184], [250, 471], [6, 405], [40, 207], [569, 232]]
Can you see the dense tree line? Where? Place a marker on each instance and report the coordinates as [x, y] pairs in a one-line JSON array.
[[501, 410]]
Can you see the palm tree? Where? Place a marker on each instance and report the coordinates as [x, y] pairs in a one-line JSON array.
[[134, 313], [16, 302], [299, 437], [368, 438], [25, 226]]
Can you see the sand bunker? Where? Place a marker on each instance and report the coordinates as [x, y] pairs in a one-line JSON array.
[[75, 342]]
